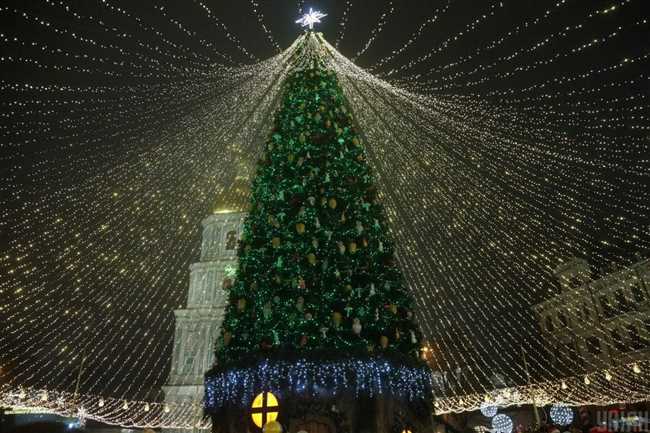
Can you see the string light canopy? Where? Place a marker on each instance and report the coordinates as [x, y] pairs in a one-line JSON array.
[[500, 150]]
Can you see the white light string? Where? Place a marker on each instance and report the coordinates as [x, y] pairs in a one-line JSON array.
[[260, 19], [437, 12], [343, 22], [381, 23]]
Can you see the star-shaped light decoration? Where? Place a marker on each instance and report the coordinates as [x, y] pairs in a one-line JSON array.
[[311, 18]]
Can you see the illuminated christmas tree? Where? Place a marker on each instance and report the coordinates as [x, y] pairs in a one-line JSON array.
[[318, 314]]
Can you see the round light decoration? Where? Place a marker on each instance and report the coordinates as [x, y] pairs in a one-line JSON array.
[[502, 424], [265, 409], [561, 415], [488, 410]]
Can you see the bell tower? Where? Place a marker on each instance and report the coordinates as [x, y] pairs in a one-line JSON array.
[[197, 325]]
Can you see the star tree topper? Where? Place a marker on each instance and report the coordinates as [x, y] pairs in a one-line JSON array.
[[311, 18]]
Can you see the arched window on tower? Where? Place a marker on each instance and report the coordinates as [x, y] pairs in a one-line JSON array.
[[621, 301], [637, 292], [618, 341], [231, 240], [635, 338], [608, 310], [549, 324], [593, 345], [226, 284], [563, 319]]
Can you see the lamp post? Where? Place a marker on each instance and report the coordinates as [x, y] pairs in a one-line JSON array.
[[81, 368], [537, 420], [91, 306]]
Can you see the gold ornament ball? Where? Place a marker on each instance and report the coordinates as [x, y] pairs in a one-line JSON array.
[[275, 242], [332, 203], [311, 258], [300, 228]]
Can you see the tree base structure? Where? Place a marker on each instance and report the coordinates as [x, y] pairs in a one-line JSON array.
[[319, 392]]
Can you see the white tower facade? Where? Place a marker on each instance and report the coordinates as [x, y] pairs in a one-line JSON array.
[[197, 325]]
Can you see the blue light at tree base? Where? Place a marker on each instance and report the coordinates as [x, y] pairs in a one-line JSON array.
[[361, 377]]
